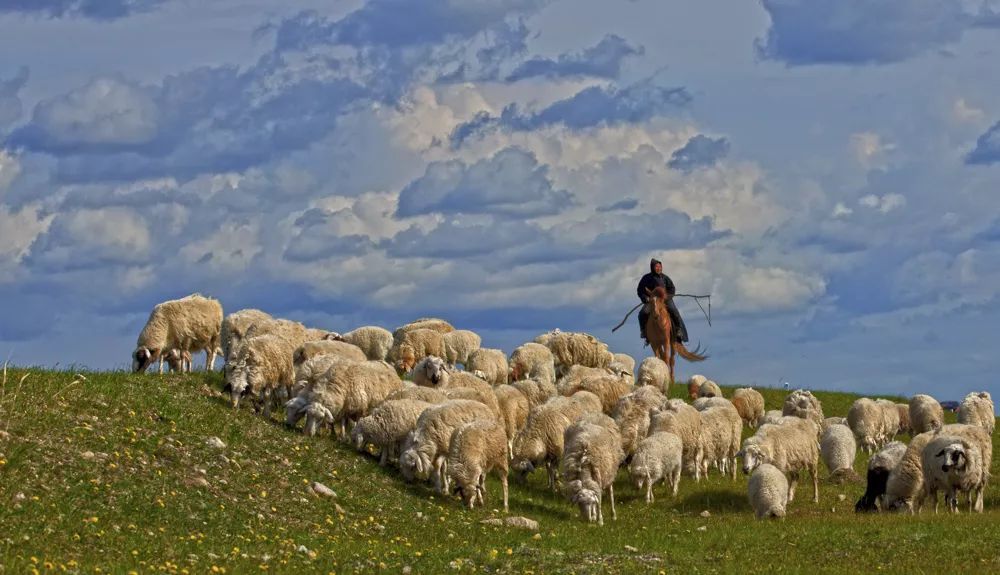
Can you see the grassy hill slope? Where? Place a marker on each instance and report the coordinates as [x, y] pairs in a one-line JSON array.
[[113, 473]]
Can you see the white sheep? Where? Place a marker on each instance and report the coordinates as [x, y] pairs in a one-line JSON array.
[[425, 450], [655, 372], [609, 388], [476, 449], [874, 423], [838, 449], [541, 439], [532, 361], [631, 413], [749, 403], [977, 409], [789, 448], [657, 457], [926, 414], [802, 403], [572, 348], [459, 345], [589, 464], [537, 391], [430, 371], [879, 466], [311, 349], [694, 385], [719, 439], [903, 413], [625, 360], [514, 409], [703, 403], [904, 488], [386, 427], [432, 323], [234, 328], [191, 324], [683, 420], [426, 394], [492, 362], [957, 464], [178, 360], [833, 421], [414, 345], [772, 416], [373, 340], [482, 391], [348, 391], [768, 492], [262, 367], [709, 389]]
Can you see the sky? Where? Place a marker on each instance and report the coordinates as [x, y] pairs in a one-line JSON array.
[[828, 170]]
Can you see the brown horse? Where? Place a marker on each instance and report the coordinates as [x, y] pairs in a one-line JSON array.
[[660, 333]]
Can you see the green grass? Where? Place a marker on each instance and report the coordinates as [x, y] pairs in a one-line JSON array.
[[136, 502]]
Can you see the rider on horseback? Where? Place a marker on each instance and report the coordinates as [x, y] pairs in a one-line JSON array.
[[656, 278]]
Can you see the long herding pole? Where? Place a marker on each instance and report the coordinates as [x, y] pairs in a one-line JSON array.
[[697, 299]]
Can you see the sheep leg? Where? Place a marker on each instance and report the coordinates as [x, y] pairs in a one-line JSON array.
[[384, 457], [209, 360], [503, 483], [792, 480], [611, 492], [814, 471], [550, 468], [675, 481], [266, 398], [600, 509], [481, 489], [161, 365]]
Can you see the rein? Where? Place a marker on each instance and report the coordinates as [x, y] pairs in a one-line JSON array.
[[697, 299]]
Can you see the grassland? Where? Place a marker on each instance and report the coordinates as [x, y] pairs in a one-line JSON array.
[[112, 474]]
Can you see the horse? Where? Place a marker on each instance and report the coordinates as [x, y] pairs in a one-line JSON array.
[[660, 333]]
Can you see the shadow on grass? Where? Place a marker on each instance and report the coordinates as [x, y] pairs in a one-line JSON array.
[[716, 500]]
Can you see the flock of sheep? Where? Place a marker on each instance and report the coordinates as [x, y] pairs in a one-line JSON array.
[[565, 402]]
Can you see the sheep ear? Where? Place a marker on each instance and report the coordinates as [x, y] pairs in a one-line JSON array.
[[741, 453], [939, 453]]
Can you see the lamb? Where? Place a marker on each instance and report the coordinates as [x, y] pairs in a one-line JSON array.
[[625, 360], [179, 361], [191, 324], [492, 362], [570, 349], [838, 449], [414, 345], [541, 439], [426, 394], [694, 385], [609, 388], [879, 467], [955, 463], [874, 424], [589, 465], [386, 427], [789, 448], [768, 491], [657, 457], [719, 439], [348, 391], [655, 372], [374, 341], [537, 391], [683, 420], [476, 449], [311, 349], [264, 365], [709, 389], [977, 409], [925, 414], [631, 413], [514, 408], [459, 345], [533, 361], [749, 403], [426, 448], [234, 328], [804, 404]]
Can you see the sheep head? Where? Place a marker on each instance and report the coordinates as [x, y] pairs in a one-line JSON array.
[[316, 415], [586, 495], [295, 410], [432, 369], [953, 457], [142, 357], [752, 457]]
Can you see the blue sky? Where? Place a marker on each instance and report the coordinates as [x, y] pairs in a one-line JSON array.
[[828, 170]]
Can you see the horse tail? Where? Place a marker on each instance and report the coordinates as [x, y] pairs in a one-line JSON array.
[[690, 355]]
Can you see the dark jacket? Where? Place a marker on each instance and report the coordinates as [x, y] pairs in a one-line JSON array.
[[653, 281]]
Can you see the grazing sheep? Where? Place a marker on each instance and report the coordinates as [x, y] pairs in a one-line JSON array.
[[513, 410], [879, 467], [683, 420], [492, 362], [589, 464], [191, 324], [904, 488], [264, 365], [719, 439], [465, 380], [414, 345], [348, 391], [609, 388], [694, 385], [374, 341], [311, 349], [571, 377], [657, 457], [903, 411], [234, 328], [833, 421], [925, 414], [655, 372], [804, 404], [541, 439], [386, 427], [569, 348], [772, 416], [837, 447], [749, 403], [791, 449], [874, 424], [709, 389], [179, 361], [703, 403], [426, 448], [768, 492], [426, 394], [626, 361], [537, 391], [532, 361], [459, 345], [476, 449], [631, 413], [955, 464], [977, 409]]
